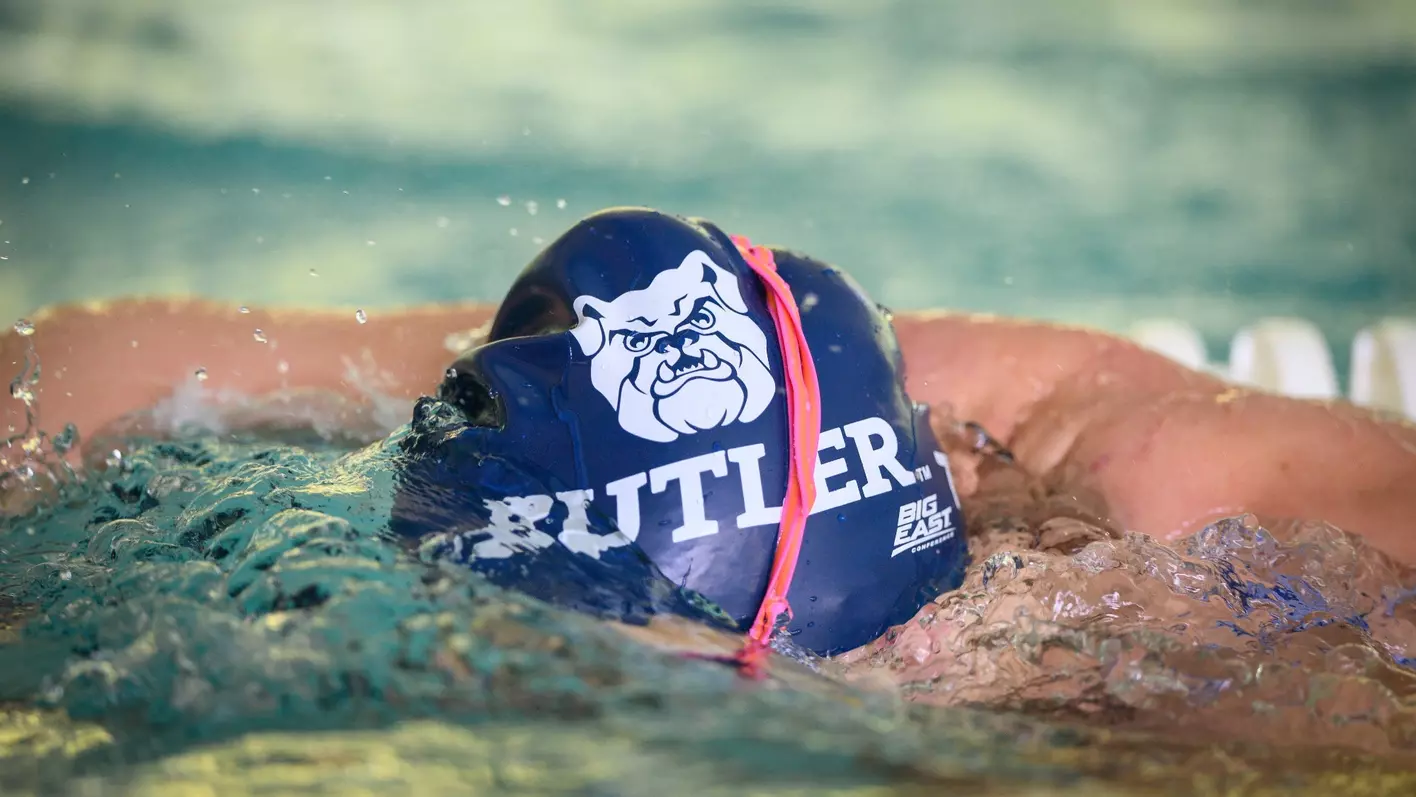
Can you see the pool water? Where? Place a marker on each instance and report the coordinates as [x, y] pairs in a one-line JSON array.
[[232, 613], [1101, 163]]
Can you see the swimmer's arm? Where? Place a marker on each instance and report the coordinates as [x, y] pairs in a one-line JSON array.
[[1166, 447], [103, 361], [1169, 449]]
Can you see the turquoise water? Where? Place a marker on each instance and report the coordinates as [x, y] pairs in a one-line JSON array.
[[206, 589], [198, 597], [1095, 163]]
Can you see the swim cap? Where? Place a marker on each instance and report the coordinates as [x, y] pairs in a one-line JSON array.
[[627, 413]]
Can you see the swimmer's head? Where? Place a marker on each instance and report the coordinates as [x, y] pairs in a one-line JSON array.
[[627, 416]]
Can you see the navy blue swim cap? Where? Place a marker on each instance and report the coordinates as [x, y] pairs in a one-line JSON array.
[[627, 414]]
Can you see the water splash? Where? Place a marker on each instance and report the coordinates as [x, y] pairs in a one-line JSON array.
[[202, 589], [1296, 633], [206, 589], [32, 460]]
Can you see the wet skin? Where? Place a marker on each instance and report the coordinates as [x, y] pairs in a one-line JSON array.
[[1131, 438]]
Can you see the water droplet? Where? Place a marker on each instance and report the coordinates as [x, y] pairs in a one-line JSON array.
[[504, 200], [360, 316], [371, 243], [809, 301], [532, 206], [841, 517], [201, 374], [24, 327], [717, 445], [65, 439], [24, 181], [443, 221], [813, 598], [282, 367], [259, 336], [20, 390], [65, 575], [560, 204], [513, 232], [314, 273], [243, 309], [537, 240]]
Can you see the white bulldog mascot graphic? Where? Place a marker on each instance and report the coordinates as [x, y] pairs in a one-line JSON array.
[[679, 356]]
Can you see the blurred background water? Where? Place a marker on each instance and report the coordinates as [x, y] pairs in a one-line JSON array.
[[1094, 161]]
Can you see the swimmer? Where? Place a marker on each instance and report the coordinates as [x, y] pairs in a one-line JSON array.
[[653, 387], [1126, 436]]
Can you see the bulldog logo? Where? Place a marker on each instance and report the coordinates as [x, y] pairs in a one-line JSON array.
[[679, 356]]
